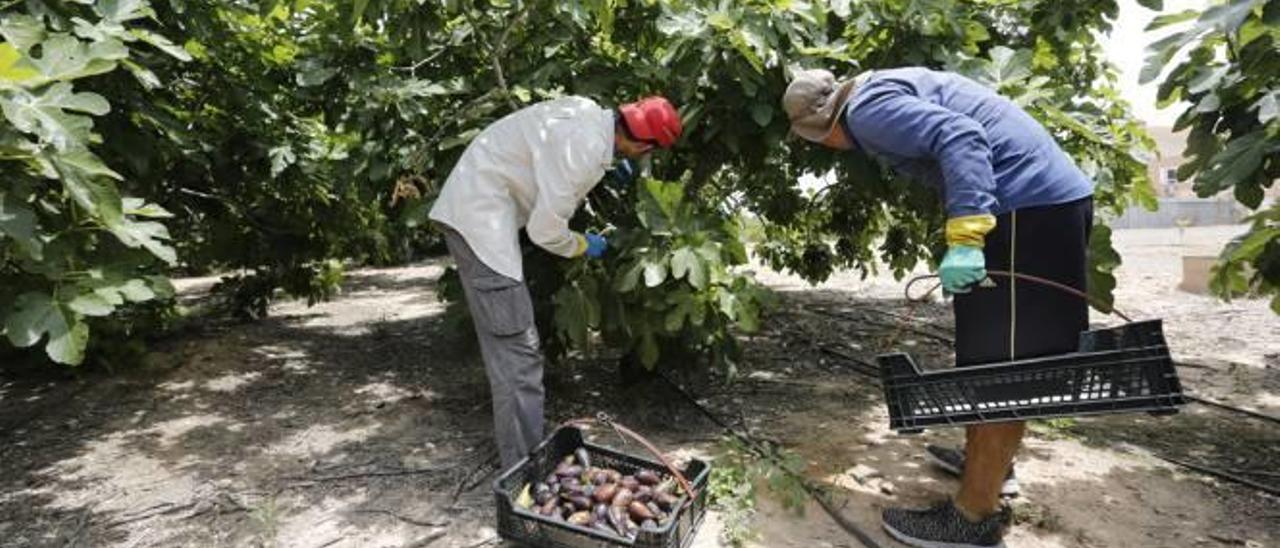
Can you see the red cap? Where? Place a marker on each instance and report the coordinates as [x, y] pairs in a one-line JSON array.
[[652, 120]]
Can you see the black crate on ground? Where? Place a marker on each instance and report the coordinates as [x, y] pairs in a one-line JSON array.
[[1122, 369], [532, 529]]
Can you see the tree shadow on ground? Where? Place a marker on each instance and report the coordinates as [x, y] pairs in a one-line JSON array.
[[248, 425], [1064, 496], [362, 423]]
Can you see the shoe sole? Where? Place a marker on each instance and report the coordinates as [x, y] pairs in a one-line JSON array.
[[946, 466], [921, 543], [1010, 488]]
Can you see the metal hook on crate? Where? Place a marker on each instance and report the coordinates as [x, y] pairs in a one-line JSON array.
[[607, 419]]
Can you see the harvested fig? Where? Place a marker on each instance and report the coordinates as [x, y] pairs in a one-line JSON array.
[[630, 482], [542, 493], [667, 486], [614, 475], [639, 511], [605, 493], [524, 499], [600, 477], [665, 500], [657, 512], [618, 519], [580, 518], [600, 512], [548, 508], [623, 498], [571, 471], [584, 459], [580, 502], [648, 477], [570, 485], [644, 493]]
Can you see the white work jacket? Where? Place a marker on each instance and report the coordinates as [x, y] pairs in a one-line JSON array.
[[531, 169]]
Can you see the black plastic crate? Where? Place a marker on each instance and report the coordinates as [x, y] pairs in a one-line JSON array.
[[1116, 370], [533, 529]]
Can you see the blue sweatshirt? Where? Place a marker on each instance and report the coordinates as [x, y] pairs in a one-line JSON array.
[[986, 154]]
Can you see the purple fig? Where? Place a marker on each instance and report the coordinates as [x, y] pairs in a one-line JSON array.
[[618, 518], [644, 493], [665, 500], [605, 493], [623, 498], [648, 477], [630, 482], [580, 502], [639, 511], [572, 471], [600, 477], [583, 458]]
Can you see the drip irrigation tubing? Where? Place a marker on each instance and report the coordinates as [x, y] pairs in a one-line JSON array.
[[1232, 408], [761, 452], [1221, 475]]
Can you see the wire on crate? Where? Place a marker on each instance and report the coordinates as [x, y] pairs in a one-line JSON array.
[[606, 420], [1097, 303]]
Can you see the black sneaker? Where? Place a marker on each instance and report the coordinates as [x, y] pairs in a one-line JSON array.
[[943, 526], [952, 461]]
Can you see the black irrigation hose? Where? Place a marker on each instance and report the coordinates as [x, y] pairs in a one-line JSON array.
[[754, 446], [1232, 408], [1221, 475]]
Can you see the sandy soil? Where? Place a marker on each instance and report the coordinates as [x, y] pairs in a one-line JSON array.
[[359, 422]]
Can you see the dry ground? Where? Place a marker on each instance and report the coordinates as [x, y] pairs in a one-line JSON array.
[[359, 422]]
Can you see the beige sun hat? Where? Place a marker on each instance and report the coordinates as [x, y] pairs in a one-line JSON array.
[[813, 101]]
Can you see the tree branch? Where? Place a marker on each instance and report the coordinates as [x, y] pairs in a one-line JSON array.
[[498, 50]]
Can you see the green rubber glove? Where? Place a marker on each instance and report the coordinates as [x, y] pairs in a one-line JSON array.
[[963, 266]]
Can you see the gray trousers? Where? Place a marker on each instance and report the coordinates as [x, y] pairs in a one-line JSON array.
[[503, 315]]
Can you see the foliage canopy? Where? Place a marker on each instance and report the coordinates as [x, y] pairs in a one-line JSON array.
[[278, 140]]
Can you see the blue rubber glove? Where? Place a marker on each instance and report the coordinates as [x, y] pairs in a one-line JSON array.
[[596, 245], [963, 266], [623, 173]]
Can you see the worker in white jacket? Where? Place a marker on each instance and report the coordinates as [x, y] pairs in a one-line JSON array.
[[531, 170]]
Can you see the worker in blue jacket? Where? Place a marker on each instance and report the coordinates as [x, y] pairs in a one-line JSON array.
[[1014, 202]]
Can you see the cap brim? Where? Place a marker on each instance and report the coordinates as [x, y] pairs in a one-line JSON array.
[[823, 122]]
